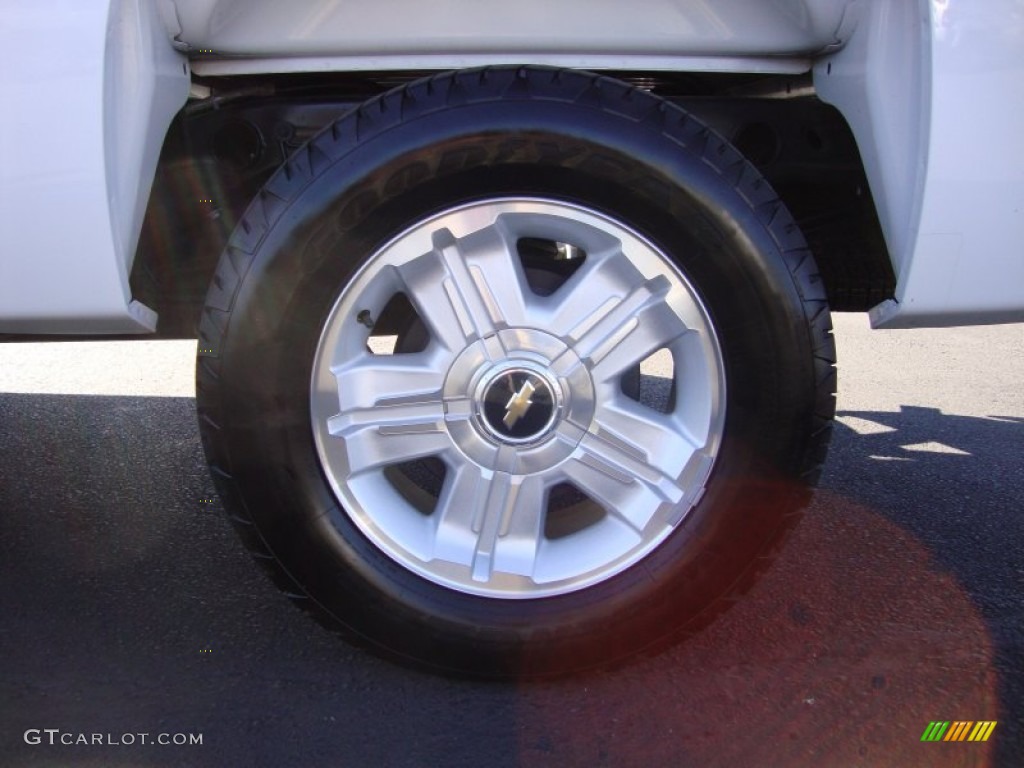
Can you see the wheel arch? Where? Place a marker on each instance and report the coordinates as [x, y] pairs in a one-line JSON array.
[[801, 145]]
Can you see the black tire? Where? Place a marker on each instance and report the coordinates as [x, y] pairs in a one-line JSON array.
[[495, 133]]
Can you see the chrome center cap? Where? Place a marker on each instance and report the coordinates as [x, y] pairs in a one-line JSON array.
[[518, 404]]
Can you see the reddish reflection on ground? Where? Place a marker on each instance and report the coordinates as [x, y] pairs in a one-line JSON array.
[[840, 656]]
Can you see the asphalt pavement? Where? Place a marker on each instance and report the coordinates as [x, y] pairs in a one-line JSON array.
[[127, 606]]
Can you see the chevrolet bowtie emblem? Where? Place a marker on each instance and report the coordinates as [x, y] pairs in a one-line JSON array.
[[519, 404]]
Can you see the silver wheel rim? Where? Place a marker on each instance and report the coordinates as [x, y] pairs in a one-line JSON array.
[[574, 478]]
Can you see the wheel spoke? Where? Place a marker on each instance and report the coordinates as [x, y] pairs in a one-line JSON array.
[[462, 501], [610, 275], [631, 323], [627, 332], [390, 379], [490, 521], [522, 528], [497, 274], [663, 443], [615, 474], [383, 435], [467, 289]]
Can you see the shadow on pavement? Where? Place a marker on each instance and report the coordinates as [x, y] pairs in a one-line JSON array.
[[127, 607], [955, 483]]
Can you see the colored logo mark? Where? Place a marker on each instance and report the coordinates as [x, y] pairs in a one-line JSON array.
[[958, 730]]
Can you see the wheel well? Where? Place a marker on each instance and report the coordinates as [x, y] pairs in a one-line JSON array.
[[221, 149]]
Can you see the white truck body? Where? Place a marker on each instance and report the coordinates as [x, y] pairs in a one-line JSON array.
[[933, 91]]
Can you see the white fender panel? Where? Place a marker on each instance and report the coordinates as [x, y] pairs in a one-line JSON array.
[[934, 93], [90, 89], [459, 27], [259, 36]]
